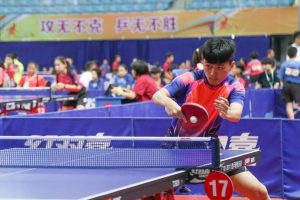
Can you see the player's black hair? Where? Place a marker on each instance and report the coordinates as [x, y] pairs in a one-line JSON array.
[[64, 61], [89, 64], [296, 34], [155, 70], [240, 66], [267, 61], [34, 63], [98, 72], [15, 55], [254, 55], [140, 67], [292, 52], [197, 56], [218, 50], [124, 66], [168, 55], [10, 55]]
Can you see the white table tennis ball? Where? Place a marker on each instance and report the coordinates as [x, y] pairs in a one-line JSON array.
[[193, 119]]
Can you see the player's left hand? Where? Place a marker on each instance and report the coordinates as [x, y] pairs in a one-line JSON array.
[[117, 90], [59, 86], [222, 106]]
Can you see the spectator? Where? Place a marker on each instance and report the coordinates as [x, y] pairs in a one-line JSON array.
[[144, 87], [19, 68], [45, 70], [97, 82], [188, 65], [271, 55], [122, 79], [156, 74], [67, 79], [296, 43], [86, 76], [168, 61], [237, 72], [289, 75], [105, 67], [10, 67], [244, 62], [116, 63], [269, 78], [197, 59], [4, 78], [32, 79], [254, 67]]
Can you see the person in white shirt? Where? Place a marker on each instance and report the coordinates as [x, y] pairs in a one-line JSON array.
[[296, 43]]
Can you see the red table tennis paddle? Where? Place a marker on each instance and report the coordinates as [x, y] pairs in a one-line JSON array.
[[195, 114]]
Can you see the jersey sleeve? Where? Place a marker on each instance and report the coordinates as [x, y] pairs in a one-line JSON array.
[[139, 88], [237, 95], [179, 83]]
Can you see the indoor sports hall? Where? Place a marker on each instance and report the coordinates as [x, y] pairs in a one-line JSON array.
[[150, 99]]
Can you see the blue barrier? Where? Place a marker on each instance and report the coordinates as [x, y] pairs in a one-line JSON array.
[[277, 139]]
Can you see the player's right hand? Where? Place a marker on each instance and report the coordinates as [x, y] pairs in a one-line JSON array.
[[174, 110]]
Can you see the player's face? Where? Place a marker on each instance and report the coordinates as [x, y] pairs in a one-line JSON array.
[[59, 66], [31, 69], [216, 73], [8, 60], [122, 71]]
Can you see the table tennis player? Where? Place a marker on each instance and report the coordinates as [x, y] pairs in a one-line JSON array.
[[67, 79], [221, 95]]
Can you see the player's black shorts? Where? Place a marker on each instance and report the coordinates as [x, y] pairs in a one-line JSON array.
[[81, 95], [290, 92], [237, 171]]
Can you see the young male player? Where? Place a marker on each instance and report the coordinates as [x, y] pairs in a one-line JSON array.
[[221, 95]]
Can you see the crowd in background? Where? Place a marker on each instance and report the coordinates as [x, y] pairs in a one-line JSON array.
[[118, 79]]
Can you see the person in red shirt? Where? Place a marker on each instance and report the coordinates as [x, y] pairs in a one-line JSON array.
[[116, 64], [67, 79], [10, 68], [145, 85], [254, 67], [32, 79], [168, 62], [237, 72]]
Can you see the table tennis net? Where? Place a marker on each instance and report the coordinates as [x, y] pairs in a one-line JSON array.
[[107, 152]]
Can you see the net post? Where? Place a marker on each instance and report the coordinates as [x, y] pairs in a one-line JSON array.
[[216, 153]]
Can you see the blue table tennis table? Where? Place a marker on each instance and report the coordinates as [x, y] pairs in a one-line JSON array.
[[103, 183], [26, 99]]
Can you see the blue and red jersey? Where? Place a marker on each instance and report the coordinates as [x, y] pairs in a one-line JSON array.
[[194, 87]]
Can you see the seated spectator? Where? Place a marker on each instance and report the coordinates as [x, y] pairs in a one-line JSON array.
[[156, 75], [105, 67], [197, 59], [289, 75], [122, 78], [97, 82], [68, 80], [145, 86], [32, 79], [4, 78], [19, 68], [10, 68], [168, 61], [254, 67], [237, 72], [116, 64], [86, 76], [269, 78]]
